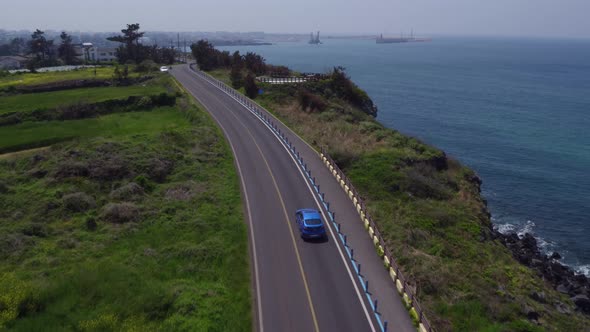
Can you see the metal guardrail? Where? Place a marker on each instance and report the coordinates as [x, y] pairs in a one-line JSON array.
[[283, 80], [390, 263]]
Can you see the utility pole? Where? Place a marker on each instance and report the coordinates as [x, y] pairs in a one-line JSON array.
[[184, 52]]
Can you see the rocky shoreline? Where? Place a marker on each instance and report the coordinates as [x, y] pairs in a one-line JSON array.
[[525, 249]]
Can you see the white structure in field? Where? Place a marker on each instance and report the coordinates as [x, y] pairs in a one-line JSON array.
[[90, 53]]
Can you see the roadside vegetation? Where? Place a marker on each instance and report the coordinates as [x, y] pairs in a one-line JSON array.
[[428, 207], [128, 219]]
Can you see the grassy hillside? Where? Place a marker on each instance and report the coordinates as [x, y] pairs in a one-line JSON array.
[[431, 213], [133, 223]]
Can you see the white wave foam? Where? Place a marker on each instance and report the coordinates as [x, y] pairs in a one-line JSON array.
[[505, 228], [527, 228], [583, 269]]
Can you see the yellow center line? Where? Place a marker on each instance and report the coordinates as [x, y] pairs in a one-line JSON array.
[[313, 316], [299, 262]]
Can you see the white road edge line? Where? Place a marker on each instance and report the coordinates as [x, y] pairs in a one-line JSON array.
[[254, 257], [368, 316], [322, 208]]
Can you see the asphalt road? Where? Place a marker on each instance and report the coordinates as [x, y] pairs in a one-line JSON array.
[[298, 285]]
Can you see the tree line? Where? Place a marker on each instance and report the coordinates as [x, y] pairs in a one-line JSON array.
[[43, 52], [243, 68]]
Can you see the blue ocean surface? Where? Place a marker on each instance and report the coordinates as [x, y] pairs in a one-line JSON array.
[[515, 110]]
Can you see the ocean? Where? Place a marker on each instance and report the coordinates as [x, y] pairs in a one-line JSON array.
[[517, 111]]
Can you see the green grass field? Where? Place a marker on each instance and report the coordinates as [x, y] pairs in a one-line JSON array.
[[50, 100], [49, 77], [29, 133], [133, 222]]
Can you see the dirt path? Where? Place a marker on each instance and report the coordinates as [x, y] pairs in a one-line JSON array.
[[22, 152]]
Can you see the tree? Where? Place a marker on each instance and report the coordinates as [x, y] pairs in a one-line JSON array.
[[236, 59], [168, 55], [236, 76], [205, 55], [250, 86], [42, 49], [40, 46], [255, 63], [132, 49], [66, 50]]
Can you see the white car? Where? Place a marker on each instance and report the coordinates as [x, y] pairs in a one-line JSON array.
[[164, 68]]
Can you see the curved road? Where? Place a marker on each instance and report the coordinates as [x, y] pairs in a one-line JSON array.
[[299, 286]]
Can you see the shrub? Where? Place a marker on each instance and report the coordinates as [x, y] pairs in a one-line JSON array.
[[127, 192], [183, 191], [91, 223], [146, 66], [120, 213], [71, 169], [158, 169], [424, 186], [164, 99], [109, 168], [14, 297], [250, 86], [144, 182], [310, 102], [144, 102], [14, 244], [78, 202], [35, 229]]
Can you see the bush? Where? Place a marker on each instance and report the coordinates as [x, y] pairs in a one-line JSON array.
[[91, 224], [109, 168], [35, 229], [424, 185], [158, 169], [144, 102], [71, 169], [164, 99], [146, 66], [78, 202], [250, 86], [120, 213], [310, 102], [129, 191]]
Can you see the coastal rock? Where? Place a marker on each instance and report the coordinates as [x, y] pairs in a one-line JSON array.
[[530, 313], [582, 302], [539, 297], [526, 250], [562, 308], [562, 289]]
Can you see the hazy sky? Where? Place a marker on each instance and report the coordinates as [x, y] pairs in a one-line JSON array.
[[492, 17]]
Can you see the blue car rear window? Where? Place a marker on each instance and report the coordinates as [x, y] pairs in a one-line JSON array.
[[313, 221]]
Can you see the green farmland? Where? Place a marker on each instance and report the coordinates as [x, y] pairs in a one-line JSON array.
[[130, 221]]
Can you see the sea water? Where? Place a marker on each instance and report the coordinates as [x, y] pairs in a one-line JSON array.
[[515, 110]]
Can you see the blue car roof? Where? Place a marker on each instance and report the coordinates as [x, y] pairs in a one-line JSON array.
[[310, 214]]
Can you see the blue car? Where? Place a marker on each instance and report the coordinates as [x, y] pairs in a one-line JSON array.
[[310, 224]]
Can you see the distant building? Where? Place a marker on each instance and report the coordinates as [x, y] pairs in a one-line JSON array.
[[12, 62], [89, 52]]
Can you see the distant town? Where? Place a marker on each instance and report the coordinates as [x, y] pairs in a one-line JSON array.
[[94, 47]]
